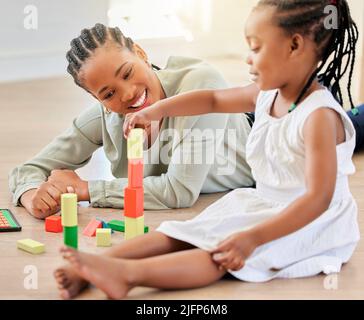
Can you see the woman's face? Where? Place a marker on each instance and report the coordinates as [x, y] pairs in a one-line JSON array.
[[121, 80]]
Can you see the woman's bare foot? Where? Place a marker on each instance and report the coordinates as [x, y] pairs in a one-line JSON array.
[[111, 275], [70, 284]]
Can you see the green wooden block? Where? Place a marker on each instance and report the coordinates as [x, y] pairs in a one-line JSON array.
[[146, 229], [117, 225], [70, 236]]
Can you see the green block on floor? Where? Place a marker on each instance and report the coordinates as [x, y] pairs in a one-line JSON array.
[[70, 236], [146, 229], [116, 225]]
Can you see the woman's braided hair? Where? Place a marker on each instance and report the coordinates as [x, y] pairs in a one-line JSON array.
[[308, 17], [89, 40]]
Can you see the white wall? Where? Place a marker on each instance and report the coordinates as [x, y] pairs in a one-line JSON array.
[[28, 53]]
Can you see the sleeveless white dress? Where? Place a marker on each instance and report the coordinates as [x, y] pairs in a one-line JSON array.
[[275, 152]]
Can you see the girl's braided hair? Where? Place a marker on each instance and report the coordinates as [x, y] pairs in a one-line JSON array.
[[308, 18]]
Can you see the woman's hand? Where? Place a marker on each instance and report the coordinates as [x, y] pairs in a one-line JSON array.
[[143, 118], [42, 202], [233, 251], [63, 179]]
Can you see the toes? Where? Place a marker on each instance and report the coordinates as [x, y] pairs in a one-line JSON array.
[[65, 294]]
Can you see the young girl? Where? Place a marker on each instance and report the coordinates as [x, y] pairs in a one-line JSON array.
[[116, 71], [301, 219]]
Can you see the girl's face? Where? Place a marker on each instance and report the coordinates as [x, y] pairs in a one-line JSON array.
[[271, 61], [121, 80]]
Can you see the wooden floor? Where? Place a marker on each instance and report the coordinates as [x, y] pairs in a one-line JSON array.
[[31, 115]]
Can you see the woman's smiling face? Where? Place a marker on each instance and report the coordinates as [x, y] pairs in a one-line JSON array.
[[121, 80]]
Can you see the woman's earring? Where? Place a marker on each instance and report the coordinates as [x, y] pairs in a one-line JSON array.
[[107, 111]]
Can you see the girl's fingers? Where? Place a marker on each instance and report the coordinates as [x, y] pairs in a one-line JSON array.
[[54, 193], [49, 201]]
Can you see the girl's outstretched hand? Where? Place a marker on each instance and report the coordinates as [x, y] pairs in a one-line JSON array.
[[233, 251], [143, 117]]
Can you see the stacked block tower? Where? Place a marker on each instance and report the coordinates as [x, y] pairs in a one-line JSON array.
[[134, 192], [69, 219]]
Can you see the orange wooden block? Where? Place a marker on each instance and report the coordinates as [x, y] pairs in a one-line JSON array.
[[53, 224], [135, 173], [90, 229], [133, 202]]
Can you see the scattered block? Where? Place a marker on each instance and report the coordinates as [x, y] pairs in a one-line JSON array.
[[133, 202], [133, 227], [53, 224], [70, 235], [31, 246], [103, 237], [90, 230], [117, 225], [135, 173], [135, 144]]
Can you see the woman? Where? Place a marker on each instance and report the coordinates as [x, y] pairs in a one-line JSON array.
[[117, 73]]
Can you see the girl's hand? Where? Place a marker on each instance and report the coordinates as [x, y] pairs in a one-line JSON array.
[[233, 251], [63, 179], [141, 118]]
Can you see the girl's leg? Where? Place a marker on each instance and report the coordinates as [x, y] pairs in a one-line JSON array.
[[179, 270], [151, 244], [358, 122]]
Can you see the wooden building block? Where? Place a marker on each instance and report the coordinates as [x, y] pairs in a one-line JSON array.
[[103, 237], [135, 144], [53, 224], [135, 173], [31, 246], [133, 202], [116, 225], [69, 209], [90, 230], [70, 236], [134, 227]]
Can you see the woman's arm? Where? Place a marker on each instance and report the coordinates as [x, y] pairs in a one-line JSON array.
[[70, 150], [234, 100]]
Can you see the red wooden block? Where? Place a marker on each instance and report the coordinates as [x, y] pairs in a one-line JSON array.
[[53, 224], [133, 202], [90, 229], [135, 173]]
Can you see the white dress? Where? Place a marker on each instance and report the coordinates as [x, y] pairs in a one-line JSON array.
[[275, 152]]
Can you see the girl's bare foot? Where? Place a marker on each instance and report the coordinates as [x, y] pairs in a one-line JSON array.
[[111, 275], [70, 284]]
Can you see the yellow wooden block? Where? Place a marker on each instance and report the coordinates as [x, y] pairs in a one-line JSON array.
[[103, 237], [69, 209], [31, 246], [135, 144], [133, 227]]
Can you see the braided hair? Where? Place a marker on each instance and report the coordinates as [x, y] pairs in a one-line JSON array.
[[307, 17], [90, 39]]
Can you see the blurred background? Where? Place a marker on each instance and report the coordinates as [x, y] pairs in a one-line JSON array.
[[38, 99], [210, 29]]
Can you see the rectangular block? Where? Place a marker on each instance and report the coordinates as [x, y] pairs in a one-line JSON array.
[[70, 236], [133, 202], [103, 237], [135, 173], [53, 224], [117, 225], [134, 227], [90, 230], [135, 144], [31, 246], [69, 209]]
